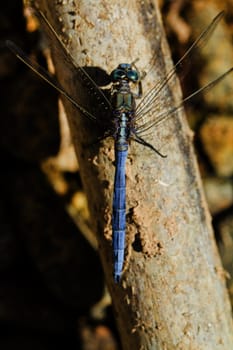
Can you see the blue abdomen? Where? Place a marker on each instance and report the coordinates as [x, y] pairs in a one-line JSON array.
[[119, 213]]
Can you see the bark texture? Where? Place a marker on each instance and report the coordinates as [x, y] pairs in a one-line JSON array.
[[172, 294]]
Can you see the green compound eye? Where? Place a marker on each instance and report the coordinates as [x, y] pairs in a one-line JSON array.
[[132, 75], [124, 71], [118, 74]]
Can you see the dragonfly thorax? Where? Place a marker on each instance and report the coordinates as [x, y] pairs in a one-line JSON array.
[[123, 101], [122, 96]]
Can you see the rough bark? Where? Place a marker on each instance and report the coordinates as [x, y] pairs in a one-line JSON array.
[[172, 294]]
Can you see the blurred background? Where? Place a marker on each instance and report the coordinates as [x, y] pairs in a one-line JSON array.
[[52, 290]]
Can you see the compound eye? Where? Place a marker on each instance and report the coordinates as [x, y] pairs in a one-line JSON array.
[[132, 75], [117, 75]]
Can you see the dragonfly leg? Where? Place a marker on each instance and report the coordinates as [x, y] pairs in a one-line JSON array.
[[140, 140]]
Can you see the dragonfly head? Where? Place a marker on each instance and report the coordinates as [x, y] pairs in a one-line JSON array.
[[125, 72]]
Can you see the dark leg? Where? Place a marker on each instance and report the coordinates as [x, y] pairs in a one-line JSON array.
[[146, 144]]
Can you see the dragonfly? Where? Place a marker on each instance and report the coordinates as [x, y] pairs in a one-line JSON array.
[[126, 120]]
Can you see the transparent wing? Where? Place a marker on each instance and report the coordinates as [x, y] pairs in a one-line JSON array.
[[166, 113], [42, 73], [79, 73], [155, 105]]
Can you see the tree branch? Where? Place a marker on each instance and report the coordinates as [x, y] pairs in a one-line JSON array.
[[173, 293]]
